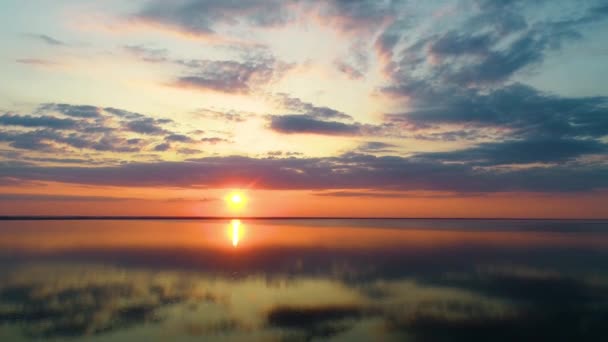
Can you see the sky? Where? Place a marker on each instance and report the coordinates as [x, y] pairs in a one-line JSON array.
[[470, 108]]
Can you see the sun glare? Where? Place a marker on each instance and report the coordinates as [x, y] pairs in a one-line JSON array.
[[235, 200]]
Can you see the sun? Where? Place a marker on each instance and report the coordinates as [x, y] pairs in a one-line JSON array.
[[236, 200]]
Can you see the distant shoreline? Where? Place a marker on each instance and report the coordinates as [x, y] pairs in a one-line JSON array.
[[185, 218]]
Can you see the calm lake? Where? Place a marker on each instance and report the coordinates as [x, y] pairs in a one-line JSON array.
[[303, 280]]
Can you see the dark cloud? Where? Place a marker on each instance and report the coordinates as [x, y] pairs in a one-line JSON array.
[[201, 16], [371, 194], [36, 121], [489, 47], [57, 127], [77, 111], [363, 16], [306, 124], [36, 140], [146, 126], [455, 43], [294, 104], [47, 140], [230, 76], [536, 127], [178, 138], [162, 147], [386, 194], [518, 107], [376, 146], [523, 151], [350, 171], [463, 134], [124, 113]]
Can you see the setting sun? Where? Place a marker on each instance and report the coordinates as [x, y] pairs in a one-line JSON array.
[[236, 200]]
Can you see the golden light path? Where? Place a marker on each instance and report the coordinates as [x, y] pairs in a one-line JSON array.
[[236, 225], [235, 201]]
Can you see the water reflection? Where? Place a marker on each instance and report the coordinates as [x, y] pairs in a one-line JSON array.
[[236, 231], [152, 280]]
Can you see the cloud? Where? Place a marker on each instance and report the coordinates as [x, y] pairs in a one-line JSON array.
[[61, 198], [533, 126], [376, 146], [162, 147], [312, 119], [294, 104], [349, 70], [254, 68], [10, 197], [214, 140], [64, 128], [370, 194], [523, 151], [45, 38], [148, 54], [350, 171], [229, 76], [91, 306], [77, 111], [146, 126], [178, 138], [203, 18], [297, 123], [521, 108], [227, 115], [199, 17], [36, 121], [36, 62], [486, 48], [356, 62]]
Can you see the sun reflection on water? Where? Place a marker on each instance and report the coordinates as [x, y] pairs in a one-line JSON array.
[[236, 231]]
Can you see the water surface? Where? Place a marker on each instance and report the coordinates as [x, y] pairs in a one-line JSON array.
[[275, 280]]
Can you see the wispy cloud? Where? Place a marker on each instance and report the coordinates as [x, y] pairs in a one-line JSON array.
[[45, 39]]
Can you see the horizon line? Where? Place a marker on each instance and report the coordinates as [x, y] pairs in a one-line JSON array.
[[148, 217]]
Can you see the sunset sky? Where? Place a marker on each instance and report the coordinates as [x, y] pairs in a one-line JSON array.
[[467, 108]]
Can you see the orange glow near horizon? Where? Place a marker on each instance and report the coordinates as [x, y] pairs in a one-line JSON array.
[[260, 235]]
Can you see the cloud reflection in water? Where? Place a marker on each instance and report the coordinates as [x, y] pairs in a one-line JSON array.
[[301, 281]]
